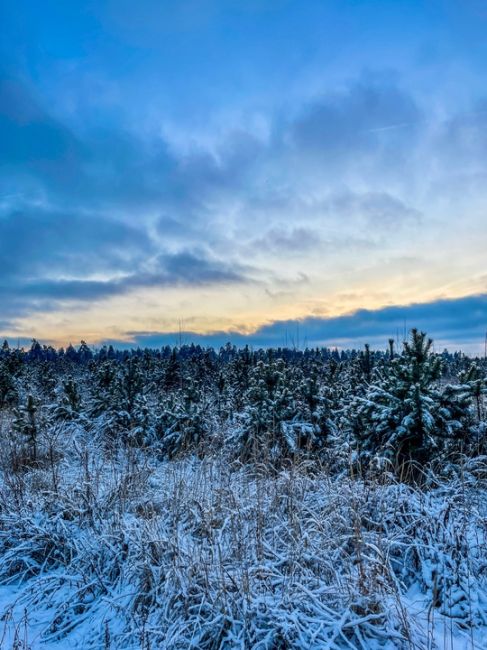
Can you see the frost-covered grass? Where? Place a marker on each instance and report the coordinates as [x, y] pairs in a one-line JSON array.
[[106, 547]]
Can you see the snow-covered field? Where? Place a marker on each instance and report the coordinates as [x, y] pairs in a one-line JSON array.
[[117, 549]]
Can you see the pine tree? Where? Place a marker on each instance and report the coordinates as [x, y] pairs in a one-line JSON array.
[[69, 405], [473, 388], [129, 384], [120, 388], [102, 387], [8, 391], [391, 349], [315, 410], [366, 363], [142, 424], [47, 379], [474, 384], [84, 352], [184, 423], [25, 424], [404, 415], [267, 429], [172, 375]]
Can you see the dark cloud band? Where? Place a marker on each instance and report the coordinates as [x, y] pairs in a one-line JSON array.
[[455, 322]]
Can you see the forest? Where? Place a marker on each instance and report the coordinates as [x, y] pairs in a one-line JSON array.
[[188, 497]]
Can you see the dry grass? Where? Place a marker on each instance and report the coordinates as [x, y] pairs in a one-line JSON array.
[[109, 548]]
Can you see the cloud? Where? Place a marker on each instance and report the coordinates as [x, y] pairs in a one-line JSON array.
[[29, 136], [454, 322], [36, 241], [75, 217], [195, 270], [116, 169], [376, 209], [463, 137], [295, 241], [180, 269], [343, 127], [90, 212]]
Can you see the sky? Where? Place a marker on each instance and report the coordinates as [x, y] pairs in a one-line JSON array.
[[309, 173]]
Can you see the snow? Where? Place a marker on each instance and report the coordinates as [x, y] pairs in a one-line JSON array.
[[201, 553]]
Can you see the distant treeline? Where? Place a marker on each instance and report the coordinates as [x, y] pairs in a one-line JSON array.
[[83, 352]]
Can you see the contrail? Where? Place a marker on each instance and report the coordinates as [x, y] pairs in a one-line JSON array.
[[401, 125], [390, 127]]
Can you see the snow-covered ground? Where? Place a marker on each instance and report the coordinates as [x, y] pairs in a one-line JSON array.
[[118, 550], [25, 628]]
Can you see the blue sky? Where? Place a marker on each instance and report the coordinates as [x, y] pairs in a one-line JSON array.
[[231, 169]]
